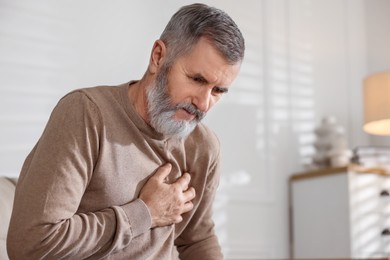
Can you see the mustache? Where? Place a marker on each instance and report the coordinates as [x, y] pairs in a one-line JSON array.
[[192, 109]]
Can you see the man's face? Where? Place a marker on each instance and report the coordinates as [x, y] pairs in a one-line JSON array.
[[183, 93]]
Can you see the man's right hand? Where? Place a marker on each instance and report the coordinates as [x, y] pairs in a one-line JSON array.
[[167, 202]]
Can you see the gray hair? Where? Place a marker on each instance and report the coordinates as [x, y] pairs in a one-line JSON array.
[[192, 22]]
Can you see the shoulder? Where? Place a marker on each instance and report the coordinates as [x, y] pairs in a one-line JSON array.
[[95, 98], [73, 109], [98, 94], [83, 103]]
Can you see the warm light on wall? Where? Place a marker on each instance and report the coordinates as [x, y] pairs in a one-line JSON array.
[[377, 104]]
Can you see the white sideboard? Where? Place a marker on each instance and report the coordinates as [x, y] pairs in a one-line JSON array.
[[340, 213]]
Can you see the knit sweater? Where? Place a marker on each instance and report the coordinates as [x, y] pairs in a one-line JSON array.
[[77, 195]]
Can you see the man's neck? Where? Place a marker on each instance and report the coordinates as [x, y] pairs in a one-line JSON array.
[[137, 97]]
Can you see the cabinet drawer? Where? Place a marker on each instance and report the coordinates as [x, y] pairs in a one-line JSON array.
[[371, 235]]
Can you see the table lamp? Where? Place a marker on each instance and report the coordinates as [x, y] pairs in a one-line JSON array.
[[377, 104]]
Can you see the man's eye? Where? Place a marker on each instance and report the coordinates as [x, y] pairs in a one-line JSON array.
[[220, 90]]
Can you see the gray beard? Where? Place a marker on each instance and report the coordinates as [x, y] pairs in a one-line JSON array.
[[162, 111]]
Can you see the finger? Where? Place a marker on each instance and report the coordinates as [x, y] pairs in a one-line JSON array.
[[189, 194], [177, 220], [183, 181], [188, 207], [163, 172]]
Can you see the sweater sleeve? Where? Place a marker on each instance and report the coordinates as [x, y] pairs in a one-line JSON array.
[[198, 240], [45, 222]]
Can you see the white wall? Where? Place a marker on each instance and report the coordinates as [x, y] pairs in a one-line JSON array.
[[305, 59]]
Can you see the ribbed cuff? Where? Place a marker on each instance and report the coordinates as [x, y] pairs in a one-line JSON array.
[[139, 217]]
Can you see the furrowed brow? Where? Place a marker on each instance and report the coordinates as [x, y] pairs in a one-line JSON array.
[[201, 78]]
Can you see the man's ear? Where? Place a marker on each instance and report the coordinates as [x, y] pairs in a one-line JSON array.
[[157, 56]]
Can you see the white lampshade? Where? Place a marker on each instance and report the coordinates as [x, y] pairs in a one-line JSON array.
[[377, 104]]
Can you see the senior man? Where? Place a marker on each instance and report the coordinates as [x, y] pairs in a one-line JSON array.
[[128, 171]]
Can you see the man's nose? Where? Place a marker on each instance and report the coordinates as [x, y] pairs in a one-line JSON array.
[[202, 99]]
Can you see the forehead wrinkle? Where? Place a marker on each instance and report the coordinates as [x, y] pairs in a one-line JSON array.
[[210, 64]]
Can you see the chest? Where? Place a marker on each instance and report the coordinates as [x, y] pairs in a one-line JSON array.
[[122, 169]]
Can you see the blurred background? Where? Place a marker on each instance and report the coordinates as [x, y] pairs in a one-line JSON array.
[[305, 60]]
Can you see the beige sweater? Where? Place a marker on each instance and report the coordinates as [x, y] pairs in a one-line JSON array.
[[77, 196]]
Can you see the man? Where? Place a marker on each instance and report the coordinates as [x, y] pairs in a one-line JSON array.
[[129, 172]]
